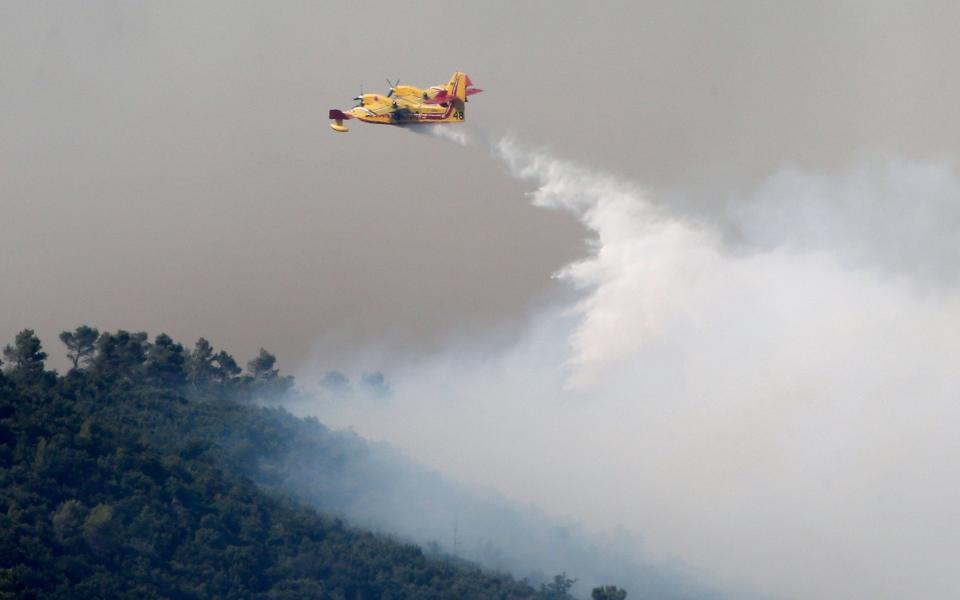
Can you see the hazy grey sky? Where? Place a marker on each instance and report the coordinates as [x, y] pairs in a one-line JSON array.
[[167, 165]]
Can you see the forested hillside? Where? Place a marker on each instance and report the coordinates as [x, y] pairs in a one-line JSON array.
[[146, 472]]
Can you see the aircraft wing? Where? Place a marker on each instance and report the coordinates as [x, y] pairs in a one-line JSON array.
[[409, 101], [380, 110], [411, 96]]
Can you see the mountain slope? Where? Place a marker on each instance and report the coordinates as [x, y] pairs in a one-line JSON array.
[[114, 486]]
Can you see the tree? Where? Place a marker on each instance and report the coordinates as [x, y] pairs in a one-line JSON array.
[[120, 352], [167, 361], [559, 588], [80, 344], [608, 592], [261, 367], [200, 367], [113, 491], [25, 356], [225, 365], [203, 366], [336, 383], [375, 384], [100, 529], [67, 519]]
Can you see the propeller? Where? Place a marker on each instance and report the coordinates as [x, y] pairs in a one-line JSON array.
[[392, 87], [360, 97]]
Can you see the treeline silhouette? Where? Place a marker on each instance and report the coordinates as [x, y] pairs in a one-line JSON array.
[[146, 471]]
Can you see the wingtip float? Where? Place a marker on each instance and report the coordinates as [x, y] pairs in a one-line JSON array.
[[409, 105]]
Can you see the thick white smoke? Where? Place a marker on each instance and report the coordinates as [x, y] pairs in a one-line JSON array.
[[781, 411]]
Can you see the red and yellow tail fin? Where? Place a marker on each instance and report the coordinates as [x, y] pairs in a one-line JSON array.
[[457, 86]]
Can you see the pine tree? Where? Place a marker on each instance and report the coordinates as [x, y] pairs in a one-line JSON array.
[[25, 357], [81, 344]]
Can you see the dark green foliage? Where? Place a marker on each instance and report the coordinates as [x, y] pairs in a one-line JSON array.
[[264, 380], [558, 589], [200, 367], [205, 367], [80, 343], [25, 357], [120, 355], [608, 592], [225, 366], [166, 362], [261, 367], [108, 489]]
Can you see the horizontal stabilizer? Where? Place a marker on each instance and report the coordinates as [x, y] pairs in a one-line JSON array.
[[442, 96]]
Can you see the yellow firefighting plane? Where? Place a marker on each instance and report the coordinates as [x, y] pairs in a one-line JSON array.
[[408, 105]]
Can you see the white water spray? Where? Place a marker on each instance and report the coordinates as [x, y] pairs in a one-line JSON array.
[[783, 415]]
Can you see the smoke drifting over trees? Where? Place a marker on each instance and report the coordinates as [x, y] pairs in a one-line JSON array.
[[779, 376], [131, 475]]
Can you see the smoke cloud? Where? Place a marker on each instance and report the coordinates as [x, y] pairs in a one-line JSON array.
[[776, 406]]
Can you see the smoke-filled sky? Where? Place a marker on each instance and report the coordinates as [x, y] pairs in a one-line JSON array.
[[167, 166], [780, 411], [748, 355]]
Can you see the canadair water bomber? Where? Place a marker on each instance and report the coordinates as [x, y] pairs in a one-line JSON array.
[[409, 105]]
